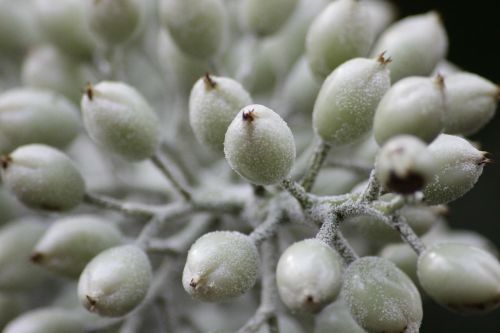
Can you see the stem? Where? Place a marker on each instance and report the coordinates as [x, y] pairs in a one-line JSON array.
[[298, 192], [127, 208], [372, 191], [318, 158], [165, 170], [407, 234], [330, 234], [269, 227]]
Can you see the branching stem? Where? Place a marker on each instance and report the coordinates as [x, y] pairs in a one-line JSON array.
[[317, 160], [164, 168]]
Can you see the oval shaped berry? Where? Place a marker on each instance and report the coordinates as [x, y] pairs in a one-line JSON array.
[[457, 167], [416, 44], [342, 31], [403, 256], [220, 265], [213, 104], [42, 320], [471, 102], [264, 17], [381, 297], [344, 108], [404, 165], [382, 14], [30, 115], [115, 281], [117, 117], [259, 145], [43, 177], [460, 277], [198, 27], [337, 318], [309, 275], [335, 181], [70, 243], [414, 106]]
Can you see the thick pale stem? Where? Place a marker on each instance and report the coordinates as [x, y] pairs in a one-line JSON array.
[[407, 233], [127, 208], [317, 160], [165, 170], [269, 227], [372, 191], [330, 234], [298, 192]]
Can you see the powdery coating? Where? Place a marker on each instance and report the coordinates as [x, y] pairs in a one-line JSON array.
[[416, 44], [381, 297], [414, 106], [261, 150], [114, 20], [220, 265], [29, 115], [308, 275], [213, 108], [337, 318], [43, 177], [115, 281], [403, 256], [17, 240], [119, 118], [457, 167], [461, 277], [471, 102], [344, 108], [264, 17], [198, 27], [46, 320], [70, 243]]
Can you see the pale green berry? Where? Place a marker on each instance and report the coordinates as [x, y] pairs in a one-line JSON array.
[[7, 206], [461, 277], [220, 265], [335, 181], [44, 320], [213, 104], [70, 243], [259, 145], [404, 165], [343, 112], [17, 29], [309, 275], [382, 14], [48, 68], [416, 44], [115, 281], [117, 117], [471, 102], [341, 32], [64, 24], [446, 68], [381, 298], [462, 237], [198, 27], [414, 106], [264, 17], [29, 115], [337, 318], [17, 240], [43, 177], [457, 167], [10, 307], [403, 256], [114, 21]]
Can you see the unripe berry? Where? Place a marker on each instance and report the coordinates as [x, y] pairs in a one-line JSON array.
[[36, 116], [337, 318], [10, 307], [381, 297], [264, 17], [43, 177], [404, 165], [309, 275], [259, 145], [70, 243], [457, 167], [382, 14], [220, 265], [342, 31], [115, 281], [117, 117], [413, 106], [198, 27], [335, 181], [416, 44], [213, 104], [461, 277], [344, 108], [471, 102], [45, 320]]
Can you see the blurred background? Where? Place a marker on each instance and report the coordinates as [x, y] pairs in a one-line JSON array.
[[474, 34]]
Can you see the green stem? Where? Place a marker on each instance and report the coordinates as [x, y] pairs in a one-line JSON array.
[[317, 160]]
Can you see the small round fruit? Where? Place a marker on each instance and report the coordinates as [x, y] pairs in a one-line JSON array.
[[309, 275], [259, 145], [337, 318], [43, 177], [220, 265], [264, 17], [403, 256], [70, 243], [381, 297], [43, 320], [213, 104], [117, 117], [115, 281], [461, 277]]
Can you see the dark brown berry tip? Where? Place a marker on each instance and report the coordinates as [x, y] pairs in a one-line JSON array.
[[5, 161], [36, 257], [92, 303], [249, 115], [194, 283], [408, 184], [209, 82], [497, 94], [439, 79], [486, 158], [383, 60], [89, 91]]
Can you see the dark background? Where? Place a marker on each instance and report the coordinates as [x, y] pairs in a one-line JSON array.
[[474, 32]]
